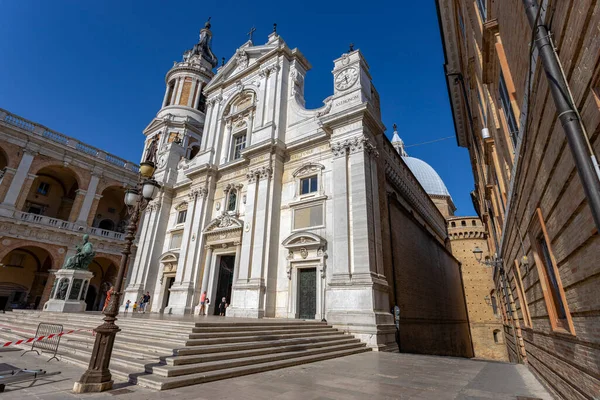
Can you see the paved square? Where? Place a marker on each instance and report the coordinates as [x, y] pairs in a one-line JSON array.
[[363, 376]]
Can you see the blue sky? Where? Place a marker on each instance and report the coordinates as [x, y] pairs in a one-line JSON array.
[[95, 69]]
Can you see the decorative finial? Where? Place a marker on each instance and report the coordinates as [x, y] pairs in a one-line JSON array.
[[251, 33], [274, 28], [222, 61], [395, 128], [207, 24], [351, 46]]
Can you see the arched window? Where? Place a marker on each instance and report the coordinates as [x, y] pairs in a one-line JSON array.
[[463, 223], [232, 200], [474, 223], [497, 336], [107, 225], [494, 303], [194, 152], [453, 224]]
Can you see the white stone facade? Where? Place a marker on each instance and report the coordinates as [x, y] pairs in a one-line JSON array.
[[261, 193]]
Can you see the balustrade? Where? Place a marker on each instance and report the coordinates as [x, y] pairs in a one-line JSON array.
[[66, 140], [65, 225]]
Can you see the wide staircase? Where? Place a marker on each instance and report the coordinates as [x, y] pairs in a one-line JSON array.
[[165, 353]]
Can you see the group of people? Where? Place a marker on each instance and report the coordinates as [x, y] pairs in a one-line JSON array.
[[205, 302], [141, 307]]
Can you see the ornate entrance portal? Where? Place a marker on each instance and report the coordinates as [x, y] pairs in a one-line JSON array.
[[307, 293]]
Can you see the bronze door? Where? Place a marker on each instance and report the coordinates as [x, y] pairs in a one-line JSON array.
[[307, 293]]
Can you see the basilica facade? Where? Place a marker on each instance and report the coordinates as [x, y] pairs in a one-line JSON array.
[[290, 212]]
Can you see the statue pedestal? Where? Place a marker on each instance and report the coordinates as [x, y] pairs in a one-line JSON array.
[[69, 291]]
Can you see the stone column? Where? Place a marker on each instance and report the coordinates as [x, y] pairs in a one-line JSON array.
[[90, 195], [198, 95], [179, 89], [225, 151], [25, 191], [207, 267], [5, 181], [77, 203], [340, 246], [244, 270], [166, 97], [18, 181], [93, 209], [182, 291]]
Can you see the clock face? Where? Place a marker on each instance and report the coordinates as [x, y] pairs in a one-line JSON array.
[[346, 78]]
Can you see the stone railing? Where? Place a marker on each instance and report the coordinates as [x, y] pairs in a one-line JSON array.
[[66, 225], [57, 137]]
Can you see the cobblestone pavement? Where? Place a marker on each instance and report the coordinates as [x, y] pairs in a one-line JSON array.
[[363, 376]]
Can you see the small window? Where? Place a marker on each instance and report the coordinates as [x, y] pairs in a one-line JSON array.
[[308, 217], [239, 144], [181, 215], [176, 240], [511, 120], [474, 223], [232, 200], [453, 224], [43, 188], [494, 303], [309, 185], [553, 282], [463, 223], [482, 7], [497, 336]]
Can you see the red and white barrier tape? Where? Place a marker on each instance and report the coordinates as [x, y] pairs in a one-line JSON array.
[[36, 339]]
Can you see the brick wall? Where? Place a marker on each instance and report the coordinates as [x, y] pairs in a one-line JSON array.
[[428, 290], [547, 201]]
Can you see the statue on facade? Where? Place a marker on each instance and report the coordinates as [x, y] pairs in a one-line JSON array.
[[84, 256], [152, 149]]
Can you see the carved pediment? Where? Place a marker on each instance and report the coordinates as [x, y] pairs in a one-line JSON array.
[[304, 239], [223, 222], [170, 257], [308, 169], [182, 206], [244, 58]]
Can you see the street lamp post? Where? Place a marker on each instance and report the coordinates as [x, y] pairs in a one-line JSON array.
[[98, 378]]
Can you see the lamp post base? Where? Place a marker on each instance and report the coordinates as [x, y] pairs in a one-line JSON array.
[[80, 387]]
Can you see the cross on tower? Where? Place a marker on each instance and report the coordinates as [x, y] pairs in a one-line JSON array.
[[252, 30]]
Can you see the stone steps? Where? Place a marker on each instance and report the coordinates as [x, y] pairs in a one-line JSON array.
[[154, 353], [162, 383]]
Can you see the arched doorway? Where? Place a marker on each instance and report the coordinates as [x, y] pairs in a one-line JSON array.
[[111, 214], [105, 273], [23, 276], [52, 193]]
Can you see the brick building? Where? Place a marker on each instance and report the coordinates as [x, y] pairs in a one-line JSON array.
[[528, 192], [53, 189], [485, 321]]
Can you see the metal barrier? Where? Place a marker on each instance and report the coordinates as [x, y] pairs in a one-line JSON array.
[[46, 344]]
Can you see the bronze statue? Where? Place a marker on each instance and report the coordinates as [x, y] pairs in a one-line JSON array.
[[152, 149], [84, 256]]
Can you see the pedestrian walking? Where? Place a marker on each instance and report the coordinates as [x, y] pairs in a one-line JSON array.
[[146, 300], [127, 305], [107, 300], [222, 306], [202, 303]]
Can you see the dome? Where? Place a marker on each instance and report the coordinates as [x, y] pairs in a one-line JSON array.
[[427, 177]]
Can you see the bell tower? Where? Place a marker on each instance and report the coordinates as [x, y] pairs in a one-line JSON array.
[[179, 122], [176, 136]]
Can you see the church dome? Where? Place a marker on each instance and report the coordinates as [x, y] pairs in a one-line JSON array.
[[427, 177]]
